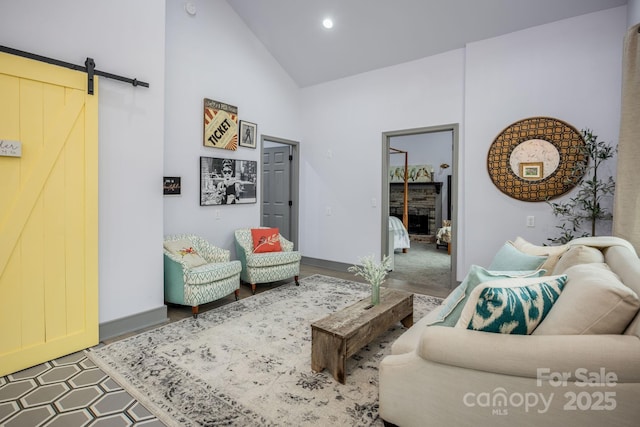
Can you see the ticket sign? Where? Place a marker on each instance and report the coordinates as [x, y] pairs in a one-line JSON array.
[[220, 125]]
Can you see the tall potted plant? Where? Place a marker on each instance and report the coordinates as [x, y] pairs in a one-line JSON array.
[[581, 213]]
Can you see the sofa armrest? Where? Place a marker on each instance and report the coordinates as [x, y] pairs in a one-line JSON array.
[[183, 265], [525, 355]]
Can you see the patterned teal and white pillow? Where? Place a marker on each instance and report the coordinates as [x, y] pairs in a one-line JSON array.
[[511, 306], [451, 308]]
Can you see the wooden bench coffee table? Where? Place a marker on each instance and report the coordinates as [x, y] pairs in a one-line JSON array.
[[340, 335]]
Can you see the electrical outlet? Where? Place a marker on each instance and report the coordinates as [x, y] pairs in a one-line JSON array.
[[531, 221]]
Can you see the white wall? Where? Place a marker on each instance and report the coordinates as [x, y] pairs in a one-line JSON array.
[[214, 55], [570, 70], [565, 70], [633, 12], [343, 122], [125, 38]]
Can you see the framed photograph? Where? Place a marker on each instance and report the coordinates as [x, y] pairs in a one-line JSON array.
[[227, 181], [248, 134], [220, 125], [531, 170], [171, 185]]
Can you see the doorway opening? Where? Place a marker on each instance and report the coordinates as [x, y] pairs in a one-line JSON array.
[[419, 195], [280, 186]]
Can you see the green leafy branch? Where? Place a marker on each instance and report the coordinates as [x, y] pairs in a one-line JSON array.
[[585, 206]]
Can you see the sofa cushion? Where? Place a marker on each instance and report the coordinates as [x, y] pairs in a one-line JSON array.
[[183, 250], [510, 258], [579, 254], [594, 301], [511, 306], [450, 309], [553, 253], [266, 240]]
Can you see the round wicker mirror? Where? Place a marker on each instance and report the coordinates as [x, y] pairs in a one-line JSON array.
[[540, 143]]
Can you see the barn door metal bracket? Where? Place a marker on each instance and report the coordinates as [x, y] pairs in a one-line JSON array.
[[89, 68], [90, 65]]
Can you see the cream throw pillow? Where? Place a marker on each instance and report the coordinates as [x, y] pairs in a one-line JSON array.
[[594, 301], [182, 249], [553, 253], [579, 254]]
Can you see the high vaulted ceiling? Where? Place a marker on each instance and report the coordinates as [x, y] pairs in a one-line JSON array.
[[371, 34]]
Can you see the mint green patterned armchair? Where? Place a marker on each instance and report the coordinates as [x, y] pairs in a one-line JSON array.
[[266, 267], [196, 272]]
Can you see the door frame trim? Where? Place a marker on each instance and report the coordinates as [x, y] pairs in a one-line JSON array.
[[294, 181], [384, 205]]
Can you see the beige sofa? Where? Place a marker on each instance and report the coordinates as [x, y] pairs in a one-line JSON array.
[[571, 371]]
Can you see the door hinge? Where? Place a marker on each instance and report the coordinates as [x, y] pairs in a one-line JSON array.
[[290, 203], [290, 157]]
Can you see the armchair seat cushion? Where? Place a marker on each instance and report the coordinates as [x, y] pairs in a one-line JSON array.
[[211, 272], [270, 259]]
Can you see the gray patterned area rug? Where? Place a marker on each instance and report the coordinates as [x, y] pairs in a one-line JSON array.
[[248, 363]]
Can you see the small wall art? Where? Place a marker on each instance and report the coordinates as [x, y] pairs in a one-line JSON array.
[[227, 181], [220, 125], [532, 170], [248, 134], [417, 173], [171, 185]]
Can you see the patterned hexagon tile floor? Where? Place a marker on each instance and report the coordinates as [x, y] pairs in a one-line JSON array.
[[68, 392]]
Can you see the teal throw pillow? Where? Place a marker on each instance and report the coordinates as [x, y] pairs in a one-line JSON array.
[[512, 306], [510, 258], [451, 307]]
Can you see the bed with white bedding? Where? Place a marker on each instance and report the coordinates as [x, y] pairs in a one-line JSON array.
[[400, 234]]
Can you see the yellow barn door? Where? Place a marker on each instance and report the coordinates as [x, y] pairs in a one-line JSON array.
[[48, 213]]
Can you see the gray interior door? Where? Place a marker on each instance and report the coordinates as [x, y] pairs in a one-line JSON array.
[[276, 167]]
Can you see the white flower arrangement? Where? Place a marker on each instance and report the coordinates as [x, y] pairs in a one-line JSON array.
[[372, 271]]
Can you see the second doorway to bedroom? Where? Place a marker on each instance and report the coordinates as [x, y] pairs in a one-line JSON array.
[[419, 209]]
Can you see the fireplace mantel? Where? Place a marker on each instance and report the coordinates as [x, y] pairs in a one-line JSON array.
[[438, 185]]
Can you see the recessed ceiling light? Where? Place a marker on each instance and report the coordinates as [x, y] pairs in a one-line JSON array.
[[327, 23]]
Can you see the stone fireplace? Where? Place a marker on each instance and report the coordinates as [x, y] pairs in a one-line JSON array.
[[424, 205]]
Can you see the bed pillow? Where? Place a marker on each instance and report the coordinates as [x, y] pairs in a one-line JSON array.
[[553, 253], [183, 250], [450, 309], [594, 301], [266, 240], [508, 258], [511, 306], [579, 254]]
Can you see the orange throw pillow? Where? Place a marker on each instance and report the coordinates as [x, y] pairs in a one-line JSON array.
[[266, 240]]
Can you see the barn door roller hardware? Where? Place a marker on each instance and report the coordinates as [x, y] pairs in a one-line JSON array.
[[89, 68]]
